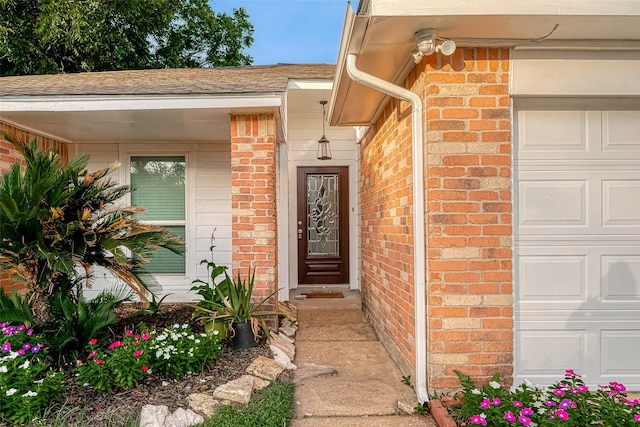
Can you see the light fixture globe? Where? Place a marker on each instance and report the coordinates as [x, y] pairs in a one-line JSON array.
[[324, 151]]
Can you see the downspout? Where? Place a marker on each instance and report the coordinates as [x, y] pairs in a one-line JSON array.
[[419, 239]]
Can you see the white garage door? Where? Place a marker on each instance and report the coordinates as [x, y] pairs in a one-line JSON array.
[[577, 241]]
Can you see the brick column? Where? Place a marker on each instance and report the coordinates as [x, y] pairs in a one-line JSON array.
[[469, 215], [253, 199]]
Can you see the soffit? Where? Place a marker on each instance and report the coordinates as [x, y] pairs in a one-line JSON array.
[[383, 36]]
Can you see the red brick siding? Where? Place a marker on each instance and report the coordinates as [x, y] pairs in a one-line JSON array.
[[9, 156], [253, 199], [469, 216]]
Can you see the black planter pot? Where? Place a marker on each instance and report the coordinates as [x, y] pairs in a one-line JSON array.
[[243, 336]]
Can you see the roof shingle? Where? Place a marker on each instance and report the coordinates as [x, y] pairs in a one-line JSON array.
[[169, 81]]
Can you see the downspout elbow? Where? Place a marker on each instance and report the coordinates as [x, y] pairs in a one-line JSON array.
[[420, 262]]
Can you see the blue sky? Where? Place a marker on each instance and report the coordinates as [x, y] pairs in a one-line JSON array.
[[292, 31]]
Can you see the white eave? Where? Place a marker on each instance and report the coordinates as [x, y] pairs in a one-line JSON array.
[[83, 118], [382, 34]]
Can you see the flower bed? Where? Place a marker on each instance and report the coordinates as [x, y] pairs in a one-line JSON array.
[[568, 403]]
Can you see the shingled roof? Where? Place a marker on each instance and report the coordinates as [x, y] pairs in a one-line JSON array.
[[182, 81]]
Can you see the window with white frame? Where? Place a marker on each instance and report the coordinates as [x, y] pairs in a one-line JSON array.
[[159, 187]]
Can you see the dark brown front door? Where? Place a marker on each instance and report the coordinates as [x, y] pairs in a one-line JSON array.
[[323, 225]]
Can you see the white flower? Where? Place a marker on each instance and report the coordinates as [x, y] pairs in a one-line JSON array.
[[528, 383], [3, 369], [25, 365], [476, 391], [11, 392], [184, 326], [30, 394], [176, 326], [494, 384], [483, 415], [39, 381]]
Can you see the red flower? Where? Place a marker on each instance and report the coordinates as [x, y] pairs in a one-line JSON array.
[[129, 333], [145, 337], [145, 368], [99, 361], [137, 353], [115, 344], [93, 353], [93, 341]]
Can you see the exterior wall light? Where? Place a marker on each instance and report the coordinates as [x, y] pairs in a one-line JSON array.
[[324, 151]]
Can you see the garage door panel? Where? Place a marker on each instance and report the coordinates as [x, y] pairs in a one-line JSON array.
[[620, 349], [621, 202], [556, 131], [620, 130], [544, 354], [552, 277], [544, 203], [620, 278]]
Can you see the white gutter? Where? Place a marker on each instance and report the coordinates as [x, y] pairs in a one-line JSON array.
[[419, 239]]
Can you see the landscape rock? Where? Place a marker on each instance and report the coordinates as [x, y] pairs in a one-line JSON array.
[[183, 418], [265, 368], [204, 404], [259, 383], [238, 391], [153, 416], [285, 344], [280, 357], [289, 331]]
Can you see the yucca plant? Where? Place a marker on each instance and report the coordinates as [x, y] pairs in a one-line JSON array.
[[59, 221], [236, 306]]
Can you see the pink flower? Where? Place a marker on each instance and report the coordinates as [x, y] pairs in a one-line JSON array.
[[93, 341], [517, 403], [562, 414], [115, 344], [636, 417], [129, 333], [558, 392], [571, 373], [78, 362], [525, 421], [509, 416], [478, 419], [99, 361], [145, 337], [526, 411], [93, 353], [485, 403], [97, 407], [137, 353], [495, 401]]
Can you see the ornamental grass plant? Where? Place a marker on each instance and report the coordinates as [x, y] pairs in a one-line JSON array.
[[569, 403]]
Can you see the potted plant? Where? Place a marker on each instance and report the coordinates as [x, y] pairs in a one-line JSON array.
[[236, 307], [210, 298]]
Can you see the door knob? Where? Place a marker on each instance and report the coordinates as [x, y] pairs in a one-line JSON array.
[[299, 233]]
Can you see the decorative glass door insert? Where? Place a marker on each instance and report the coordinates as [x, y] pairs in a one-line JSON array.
[[323, 225]]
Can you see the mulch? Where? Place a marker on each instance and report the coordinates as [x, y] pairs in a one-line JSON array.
[[84, 406]]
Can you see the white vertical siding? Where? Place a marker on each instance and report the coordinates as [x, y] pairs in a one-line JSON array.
[[304, 130]]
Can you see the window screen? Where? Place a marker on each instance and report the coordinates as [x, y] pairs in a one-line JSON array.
[[159, 187]]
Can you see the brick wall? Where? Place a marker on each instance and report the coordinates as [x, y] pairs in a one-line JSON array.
[[253, 199], [469, 215], [9, 156]]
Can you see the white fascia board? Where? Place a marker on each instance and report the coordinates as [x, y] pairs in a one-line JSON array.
[[321, 84], [501, 7], [115, 103]]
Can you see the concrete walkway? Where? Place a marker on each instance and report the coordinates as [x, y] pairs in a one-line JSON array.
[[345, 377]]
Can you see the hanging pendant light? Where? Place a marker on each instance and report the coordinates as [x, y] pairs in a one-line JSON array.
[[324, 151]]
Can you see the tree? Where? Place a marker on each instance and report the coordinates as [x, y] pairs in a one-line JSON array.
[[58, 222], [66, 36]]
